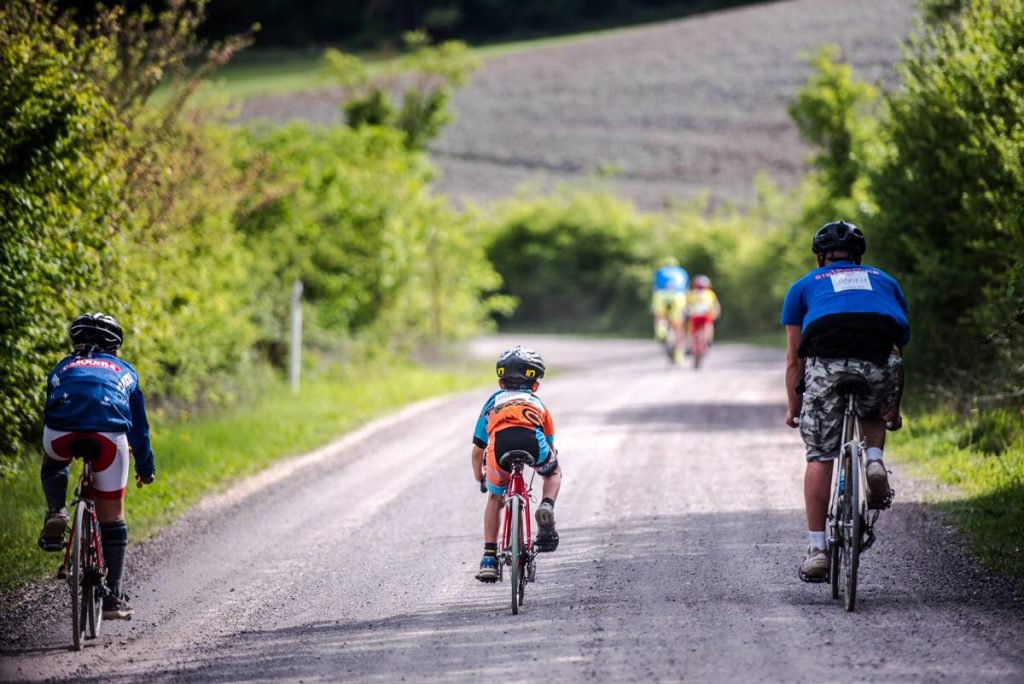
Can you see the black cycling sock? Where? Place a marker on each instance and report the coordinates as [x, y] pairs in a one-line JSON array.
[[491, 548], [115, 543], [548, 500], [54, 477]]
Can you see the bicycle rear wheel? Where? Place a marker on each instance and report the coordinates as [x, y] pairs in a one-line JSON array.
[[77, 571], [851, 542], [515, 569]]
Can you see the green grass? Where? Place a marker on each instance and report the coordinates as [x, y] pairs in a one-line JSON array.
[[269, 73], [207, 455], [979, 465]]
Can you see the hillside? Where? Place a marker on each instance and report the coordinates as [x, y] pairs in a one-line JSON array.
[[672, 108]]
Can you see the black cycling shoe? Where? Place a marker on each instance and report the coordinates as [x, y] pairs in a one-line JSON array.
[[52, 536], [546, 543], [116, 607], [547, 537]]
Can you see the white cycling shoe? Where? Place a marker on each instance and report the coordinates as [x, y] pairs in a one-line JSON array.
[[815, 566]]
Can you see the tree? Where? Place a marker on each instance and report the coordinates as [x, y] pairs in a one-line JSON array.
[[950, 191], [426, 76]]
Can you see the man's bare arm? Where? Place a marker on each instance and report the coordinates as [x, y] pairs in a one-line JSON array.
[[794, 374]]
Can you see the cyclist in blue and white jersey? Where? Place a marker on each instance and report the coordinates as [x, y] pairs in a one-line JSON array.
[[668, 302], [843, 320], [93, 396]]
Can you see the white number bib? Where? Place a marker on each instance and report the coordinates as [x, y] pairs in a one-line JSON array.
[[850, 280]]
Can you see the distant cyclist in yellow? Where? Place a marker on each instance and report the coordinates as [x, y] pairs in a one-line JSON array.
[[668, 302], [702, 310]]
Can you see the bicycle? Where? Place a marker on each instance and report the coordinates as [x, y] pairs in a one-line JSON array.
[[850, 523], [83, 565], [699, 339], [670, 339], [516, 549]]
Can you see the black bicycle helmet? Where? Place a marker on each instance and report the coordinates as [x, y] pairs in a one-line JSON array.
[[839, 236], [519, 367], [96, 331]]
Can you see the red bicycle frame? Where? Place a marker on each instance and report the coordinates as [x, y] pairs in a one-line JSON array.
[[84, 493], [698, 332], [516, 487]]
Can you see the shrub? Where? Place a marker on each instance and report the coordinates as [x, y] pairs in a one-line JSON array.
[[55, 192], [949, 195], [574, 262]]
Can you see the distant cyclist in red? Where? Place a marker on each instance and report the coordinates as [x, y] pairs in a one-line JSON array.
[[93, 396], [515, 418]]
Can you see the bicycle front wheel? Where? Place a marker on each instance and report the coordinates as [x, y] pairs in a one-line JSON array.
[[78, 550], [515, 570], [851, 543], [92, 593]]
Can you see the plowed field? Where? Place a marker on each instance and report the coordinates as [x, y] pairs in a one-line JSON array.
[[673, 107]]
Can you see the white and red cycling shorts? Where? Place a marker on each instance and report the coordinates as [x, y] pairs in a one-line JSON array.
[[109, 469]]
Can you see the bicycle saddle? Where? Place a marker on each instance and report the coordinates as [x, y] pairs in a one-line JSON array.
[[85, 449], [515, 457], [856, 386]]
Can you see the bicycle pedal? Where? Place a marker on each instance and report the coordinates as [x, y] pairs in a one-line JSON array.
[[813, 580], [868, 540], [62, 572], [883, 503], [51, 545]]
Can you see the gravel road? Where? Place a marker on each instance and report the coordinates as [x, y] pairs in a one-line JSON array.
[[675, 108], [681, 525]]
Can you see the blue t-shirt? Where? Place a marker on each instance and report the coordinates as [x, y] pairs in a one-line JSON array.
[[671, 279], [844, 287], [99, 393]]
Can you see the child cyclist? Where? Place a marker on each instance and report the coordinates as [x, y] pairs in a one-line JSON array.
[[515, 418], [94, 403]]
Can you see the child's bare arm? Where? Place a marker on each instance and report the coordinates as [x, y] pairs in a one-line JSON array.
[[477, 460]]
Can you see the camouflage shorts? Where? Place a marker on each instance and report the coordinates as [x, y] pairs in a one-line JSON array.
[[821, 415]]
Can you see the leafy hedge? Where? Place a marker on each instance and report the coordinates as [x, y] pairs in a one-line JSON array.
[[54, 193], [950, 192], [191, 232], [935, 176], [582, 260]]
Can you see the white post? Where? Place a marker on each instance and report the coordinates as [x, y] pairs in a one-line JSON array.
[[296, 343]]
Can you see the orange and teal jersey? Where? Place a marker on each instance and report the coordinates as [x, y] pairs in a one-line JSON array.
[[514, 419]]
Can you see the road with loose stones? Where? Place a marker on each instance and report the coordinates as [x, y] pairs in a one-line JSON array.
[[681, 523]]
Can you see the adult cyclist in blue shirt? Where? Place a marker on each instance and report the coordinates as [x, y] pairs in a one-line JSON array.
[[93, 397], [668, 303], [843, 320]]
